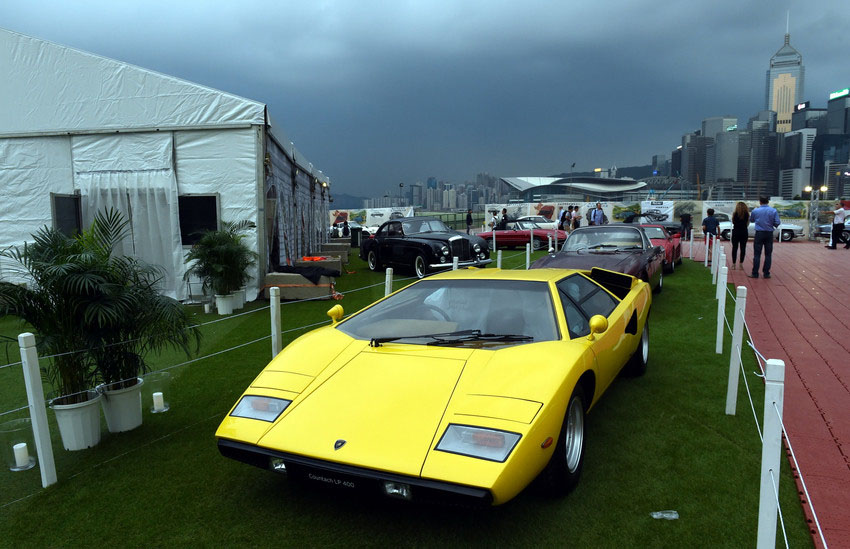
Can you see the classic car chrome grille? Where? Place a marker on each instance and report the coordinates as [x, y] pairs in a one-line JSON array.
[[459, 247]]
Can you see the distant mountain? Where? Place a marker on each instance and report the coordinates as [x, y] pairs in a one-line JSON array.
[[347, 201]]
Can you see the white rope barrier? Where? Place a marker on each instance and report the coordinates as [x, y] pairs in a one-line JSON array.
[[775, 483], [13, 411], [800, 475], [750, 397]]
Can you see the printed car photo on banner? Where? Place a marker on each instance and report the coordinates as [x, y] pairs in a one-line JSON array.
[[657, 210]]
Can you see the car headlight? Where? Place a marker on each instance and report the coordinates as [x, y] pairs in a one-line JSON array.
[[477, 248], [260, 407], [489, 444], [444, 250]]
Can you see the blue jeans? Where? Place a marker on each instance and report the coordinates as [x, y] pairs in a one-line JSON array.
[[763, 239]]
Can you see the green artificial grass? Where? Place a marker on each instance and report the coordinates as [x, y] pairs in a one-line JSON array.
[[661, 441]]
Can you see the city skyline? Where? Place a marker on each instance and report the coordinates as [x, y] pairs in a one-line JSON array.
[[375, 95]]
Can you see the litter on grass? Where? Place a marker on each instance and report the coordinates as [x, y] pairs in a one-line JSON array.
[[666, 515]]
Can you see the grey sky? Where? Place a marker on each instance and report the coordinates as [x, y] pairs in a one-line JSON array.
[[380, 92]]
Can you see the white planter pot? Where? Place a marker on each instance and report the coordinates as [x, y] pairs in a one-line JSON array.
[[240, 298], [79, 424], [224, 303], [122, 408]]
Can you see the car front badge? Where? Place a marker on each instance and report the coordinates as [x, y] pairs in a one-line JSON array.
[[339, 444]]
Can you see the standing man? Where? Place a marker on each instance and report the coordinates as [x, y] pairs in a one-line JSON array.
[[576, 222], [766, 219], [503, 223], [839, 215], [597, 216], [685, 220], [561, 218], [468, 220], [709, 229]]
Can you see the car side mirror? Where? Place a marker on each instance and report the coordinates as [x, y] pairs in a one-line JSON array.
[[598, 324], [336, 313]]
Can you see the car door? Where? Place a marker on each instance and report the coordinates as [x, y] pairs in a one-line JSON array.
[[581, 298], [390, 244], [653, 257]]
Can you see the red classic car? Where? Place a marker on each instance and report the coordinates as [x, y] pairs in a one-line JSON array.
[[672, 244], [519, 233]]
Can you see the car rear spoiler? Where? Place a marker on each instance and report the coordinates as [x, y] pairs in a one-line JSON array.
[[618, 284]]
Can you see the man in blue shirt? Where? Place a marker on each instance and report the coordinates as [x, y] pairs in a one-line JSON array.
[[709, 229], [597, 216], [766, 219]]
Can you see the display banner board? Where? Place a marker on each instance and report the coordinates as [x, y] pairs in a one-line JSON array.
[[371, 217], [658, 210]]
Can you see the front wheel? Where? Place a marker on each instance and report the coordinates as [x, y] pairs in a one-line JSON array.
[[372, 260], [787, 236], [660, 286], [538, 244], [420, 266], [562, 473], [725, 234]]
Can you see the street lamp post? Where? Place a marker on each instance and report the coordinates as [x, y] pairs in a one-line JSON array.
[[400, 187], [814, 199]]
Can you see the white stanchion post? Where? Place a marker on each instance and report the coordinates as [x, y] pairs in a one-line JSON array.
[[721, 309], [549, 243], [499, 259], [556, 240], [274, 293], [494, 238], [38, 411], [771, 452], [734, 356], [707, 240], [454, 263], [720, 289], [531, 238], [527, 256], [388, 282]]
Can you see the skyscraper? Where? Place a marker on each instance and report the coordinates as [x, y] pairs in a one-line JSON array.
[[784, 86]]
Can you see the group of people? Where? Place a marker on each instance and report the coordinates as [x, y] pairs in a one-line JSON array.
[[570, 218], [765, 218]]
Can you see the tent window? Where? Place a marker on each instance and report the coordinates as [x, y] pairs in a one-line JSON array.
[[67, 213], [198, 213]]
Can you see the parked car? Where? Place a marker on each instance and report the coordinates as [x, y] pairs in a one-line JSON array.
[[463, 387], [789, 231], [422, 244], [617, 247], [542, 222], [825, 231], [519, 233], [672, 245]]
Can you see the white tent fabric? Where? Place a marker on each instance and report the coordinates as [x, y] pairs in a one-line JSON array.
[[134, 174], [55, 88]]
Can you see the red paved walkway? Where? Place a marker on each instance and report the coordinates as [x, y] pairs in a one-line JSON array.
[[800, 315]]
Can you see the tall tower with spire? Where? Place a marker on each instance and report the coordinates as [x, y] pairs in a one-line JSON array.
[[784, 87]]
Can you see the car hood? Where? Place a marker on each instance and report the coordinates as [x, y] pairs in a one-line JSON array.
[[386, 406], [442, 237], [624, 262]]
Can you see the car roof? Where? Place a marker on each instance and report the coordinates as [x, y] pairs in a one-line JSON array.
[[534, 275]]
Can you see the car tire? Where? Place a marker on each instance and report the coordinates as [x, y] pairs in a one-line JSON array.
[[636, 366], [538, 244], [562, 473], [420, 266], [372, 260], [787, 236], [669, 267], [660, 286], [725, 234]]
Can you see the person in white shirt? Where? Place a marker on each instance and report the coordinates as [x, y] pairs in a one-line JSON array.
[[576, 218], [837, 226]]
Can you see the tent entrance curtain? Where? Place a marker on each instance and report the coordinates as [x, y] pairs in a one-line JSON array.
[[148, 200]]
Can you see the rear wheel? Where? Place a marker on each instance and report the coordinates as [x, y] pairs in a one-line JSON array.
[[538, 244], [420, 266], [725, 234], [845, 236], [562, 473], [669, 267], [660, 286], [637, 363], [372, 260]]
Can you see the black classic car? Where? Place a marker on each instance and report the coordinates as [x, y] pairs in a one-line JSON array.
[[423, 244], [623, 248]]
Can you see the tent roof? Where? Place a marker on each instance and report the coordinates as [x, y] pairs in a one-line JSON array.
[[48, 89], [588, 184]]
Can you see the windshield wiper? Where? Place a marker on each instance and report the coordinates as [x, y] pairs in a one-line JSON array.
[[481, 337], [632, 248], [598, 246], [377, 341]]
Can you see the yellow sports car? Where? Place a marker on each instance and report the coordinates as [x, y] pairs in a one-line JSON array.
[[462, 386]]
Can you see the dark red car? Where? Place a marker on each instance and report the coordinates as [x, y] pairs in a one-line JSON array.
[[672, 244], [520, 233]]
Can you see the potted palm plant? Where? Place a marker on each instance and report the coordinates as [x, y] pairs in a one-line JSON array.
[[106, 306], [221, 260]]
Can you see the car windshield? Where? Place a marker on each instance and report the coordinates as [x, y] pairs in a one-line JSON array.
[[474, 313], [600, 239], [415, 226], [655, 232]]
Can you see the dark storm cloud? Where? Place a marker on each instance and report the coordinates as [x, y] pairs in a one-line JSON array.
[[376, 93]]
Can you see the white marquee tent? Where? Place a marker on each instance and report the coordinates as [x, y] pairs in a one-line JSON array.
[[79, 133]]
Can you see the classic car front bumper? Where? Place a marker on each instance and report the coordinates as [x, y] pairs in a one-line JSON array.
[[338, 475], [473, 263]]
